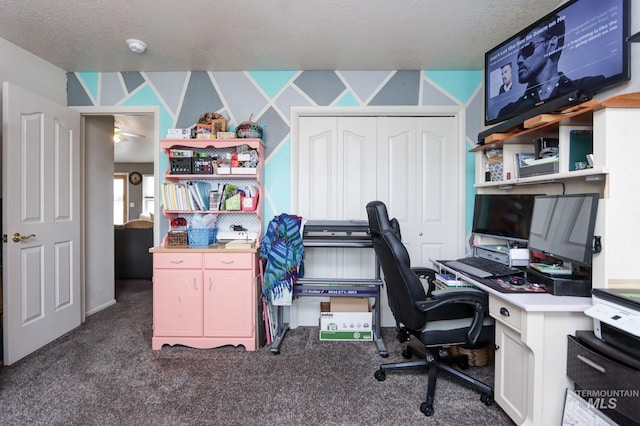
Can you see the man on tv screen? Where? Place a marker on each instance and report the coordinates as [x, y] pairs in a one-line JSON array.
[[537, 63], [507, 78]]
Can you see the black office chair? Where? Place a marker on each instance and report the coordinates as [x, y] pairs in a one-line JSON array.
[[438, 318]]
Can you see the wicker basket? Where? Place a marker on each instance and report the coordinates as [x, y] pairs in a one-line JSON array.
[[480, 357], [177, 239]]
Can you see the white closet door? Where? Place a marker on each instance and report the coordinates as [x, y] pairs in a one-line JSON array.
[[410, 163], [336, 181], [419, 181]]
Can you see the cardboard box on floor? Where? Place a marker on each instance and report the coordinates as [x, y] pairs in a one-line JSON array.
[[346, 318]]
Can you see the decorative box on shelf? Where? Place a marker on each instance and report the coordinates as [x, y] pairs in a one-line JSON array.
[[226, 135], [180, 165], [177, 239], [249, 203], [202, 165]]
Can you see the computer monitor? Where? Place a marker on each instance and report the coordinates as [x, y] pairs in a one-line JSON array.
[[562, 226], [503, 216]]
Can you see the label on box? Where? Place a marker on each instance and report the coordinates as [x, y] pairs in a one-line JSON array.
[[346, 326]]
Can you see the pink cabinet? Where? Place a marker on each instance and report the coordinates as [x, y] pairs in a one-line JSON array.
[[177, 302], [205, 299]]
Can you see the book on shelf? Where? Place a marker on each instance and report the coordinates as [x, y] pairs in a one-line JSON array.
[[447, 279], [191, 195]]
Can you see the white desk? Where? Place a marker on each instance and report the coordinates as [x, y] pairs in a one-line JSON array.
[[531, 349]]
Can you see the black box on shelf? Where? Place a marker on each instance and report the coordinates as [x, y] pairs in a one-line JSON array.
[[561, 285], [539, 169], [202, 165], [180, 165], [541, 144]]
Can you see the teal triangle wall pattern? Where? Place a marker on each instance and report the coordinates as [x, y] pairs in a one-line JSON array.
[[460, 84], [268, 97]]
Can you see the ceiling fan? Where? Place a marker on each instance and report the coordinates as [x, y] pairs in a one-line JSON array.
[[120, 135]]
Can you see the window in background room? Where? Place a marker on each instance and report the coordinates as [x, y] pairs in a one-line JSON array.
[[148, 194], [119, 198]]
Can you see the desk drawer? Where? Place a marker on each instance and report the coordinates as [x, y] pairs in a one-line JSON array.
[[229, 260], [592, 371], [177, 260], [506, 313]]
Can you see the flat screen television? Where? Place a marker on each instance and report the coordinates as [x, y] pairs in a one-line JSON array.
[[564, 58], [562, 227], [503, 216]]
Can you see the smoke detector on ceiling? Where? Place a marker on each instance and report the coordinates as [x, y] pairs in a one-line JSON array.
[[137, 46]]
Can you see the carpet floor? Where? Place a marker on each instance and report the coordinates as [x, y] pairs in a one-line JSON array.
[[105, 373]]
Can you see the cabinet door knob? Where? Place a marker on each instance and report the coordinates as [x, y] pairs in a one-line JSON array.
[[505, 312], [195, 285], [210, 283]]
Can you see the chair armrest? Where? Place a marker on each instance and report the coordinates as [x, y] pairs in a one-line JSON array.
[[429, 274], [476, 298]]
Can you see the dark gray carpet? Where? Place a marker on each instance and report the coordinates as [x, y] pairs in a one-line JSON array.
[[105, 373]]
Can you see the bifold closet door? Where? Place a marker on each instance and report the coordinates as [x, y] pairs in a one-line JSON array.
[[418, 177], [410, 163], [337, 176]]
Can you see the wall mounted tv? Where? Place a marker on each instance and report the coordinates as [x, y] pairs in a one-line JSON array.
[[564, 58], [503, 216], [562, 227]]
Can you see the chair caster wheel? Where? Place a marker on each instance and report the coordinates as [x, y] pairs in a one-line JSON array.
[[406, 354], [487, 398], [380, 375], [426, 409]]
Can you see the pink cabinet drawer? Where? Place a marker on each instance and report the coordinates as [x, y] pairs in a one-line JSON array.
[[177, 260], [229, 260]]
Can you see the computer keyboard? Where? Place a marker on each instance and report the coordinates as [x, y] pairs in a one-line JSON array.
[[482, 268]]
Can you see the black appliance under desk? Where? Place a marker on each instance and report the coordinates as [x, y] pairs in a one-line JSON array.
[[605, 375]]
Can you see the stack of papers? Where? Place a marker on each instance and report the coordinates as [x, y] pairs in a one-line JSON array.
[[534, 162]]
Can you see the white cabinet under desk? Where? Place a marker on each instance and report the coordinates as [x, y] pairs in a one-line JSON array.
[[531, 347]]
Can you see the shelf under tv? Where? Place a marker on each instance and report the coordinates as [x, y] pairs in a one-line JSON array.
[[577, 114]]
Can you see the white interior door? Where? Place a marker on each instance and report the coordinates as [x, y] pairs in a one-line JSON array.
[[41, 207], [412, 164]]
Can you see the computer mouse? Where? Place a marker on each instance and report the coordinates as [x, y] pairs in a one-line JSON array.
[[517, 281]]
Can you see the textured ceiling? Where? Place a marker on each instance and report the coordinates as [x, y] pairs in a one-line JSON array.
[[239, 35], [236, 35]]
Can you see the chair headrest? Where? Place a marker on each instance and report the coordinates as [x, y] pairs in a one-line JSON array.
[[378, 217]]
